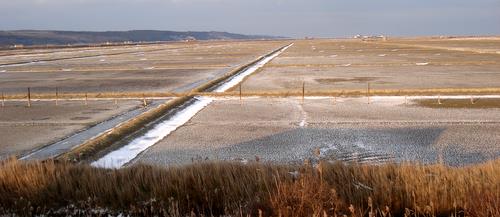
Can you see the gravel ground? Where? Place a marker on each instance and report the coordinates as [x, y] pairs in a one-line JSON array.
[[289, 131]]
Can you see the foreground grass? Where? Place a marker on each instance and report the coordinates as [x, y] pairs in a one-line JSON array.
[[218, 188]]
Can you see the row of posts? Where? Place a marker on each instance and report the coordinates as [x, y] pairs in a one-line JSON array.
[[144, 101], [367, 95]]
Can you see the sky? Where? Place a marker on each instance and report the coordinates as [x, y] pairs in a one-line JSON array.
[[291, 18]]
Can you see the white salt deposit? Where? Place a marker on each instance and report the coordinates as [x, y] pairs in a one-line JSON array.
[[125, 154]]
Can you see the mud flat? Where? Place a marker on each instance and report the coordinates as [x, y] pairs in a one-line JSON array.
[[289, 131], [148, 68], [24, 129], [472, 44], [351, 64]]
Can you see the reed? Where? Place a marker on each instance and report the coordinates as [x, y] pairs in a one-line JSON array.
[[234, 189]]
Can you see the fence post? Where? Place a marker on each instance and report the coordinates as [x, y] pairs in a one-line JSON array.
[[406, 100], [86, 99], [29, 97], [57, 96], [472, 100], [144, 102], [439, 99], [3, 100]]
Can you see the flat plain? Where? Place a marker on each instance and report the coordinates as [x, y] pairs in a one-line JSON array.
[[289, 130], [350, 64], [279, 129], [148, 68], [407, 126], [170, 67]]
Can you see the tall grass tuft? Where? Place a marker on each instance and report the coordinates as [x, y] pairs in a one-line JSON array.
[[225, 188]]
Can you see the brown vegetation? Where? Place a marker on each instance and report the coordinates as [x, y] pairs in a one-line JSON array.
[[235, 92], [212, 188], [459, 103], [339, 80]]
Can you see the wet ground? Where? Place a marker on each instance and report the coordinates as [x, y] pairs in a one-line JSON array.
[[287, 131], [24, 129], [176, 67]]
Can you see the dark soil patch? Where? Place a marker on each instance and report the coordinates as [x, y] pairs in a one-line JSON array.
[[460, 103], [340, 80]]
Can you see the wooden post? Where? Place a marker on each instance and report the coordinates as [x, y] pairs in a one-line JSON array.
[[472, 100], [3, 100], [303, 90], [116, 101], [144, 102], [57, 96], [29, 97], [439, 99], [368, 92], [86, 99], [406, 100]]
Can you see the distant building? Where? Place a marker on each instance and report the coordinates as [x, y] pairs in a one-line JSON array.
[[189, 38], [371, 37]]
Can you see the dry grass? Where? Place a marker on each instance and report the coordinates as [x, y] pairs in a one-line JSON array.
[[463, 49], [361, 92], [235, 92], [223, 188], [459, 103]]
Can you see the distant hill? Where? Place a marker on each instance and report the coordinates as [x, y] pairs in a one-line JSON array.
[[40, 37]]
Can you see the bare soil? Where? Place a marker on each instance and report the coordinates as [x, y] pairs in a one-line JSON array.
[[348, 129], [25, 128], [351, 64], [151, 68]]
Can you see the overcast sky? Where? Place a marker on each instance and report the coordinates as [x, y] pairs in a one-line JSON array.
[[293, 18]]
